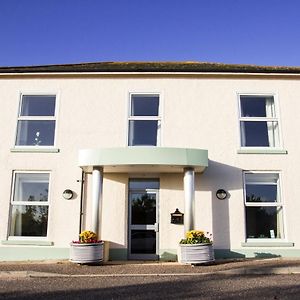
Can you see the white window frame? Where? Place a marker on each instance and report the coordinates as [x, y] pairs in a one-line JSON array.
[[36, 118], [157, 118], [260, 119], [279, 203], [38, 203]]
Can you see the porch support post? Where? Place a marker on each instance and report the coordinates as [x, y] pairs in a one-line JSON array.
[[96, 198], [189, 197]]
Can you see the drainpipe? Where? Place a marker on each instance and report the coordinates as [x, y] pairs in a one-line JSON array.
[[81, 199]]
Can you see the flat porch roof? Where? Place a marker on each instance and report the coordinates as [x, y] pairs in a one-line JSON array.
[[143, 159]]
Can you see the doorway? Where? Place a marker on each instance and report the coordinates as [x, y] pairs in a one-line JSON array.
[[143, 219]]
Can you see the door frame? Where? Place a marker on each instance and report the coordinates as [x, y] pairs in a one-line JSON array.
[[143, 227]]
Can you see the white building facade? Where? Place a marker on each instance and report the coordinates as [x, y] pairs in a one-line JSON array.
[[133, 142]]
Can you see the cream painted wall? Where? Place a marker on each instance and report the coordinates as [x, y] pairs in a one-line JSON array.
[[198, 112]]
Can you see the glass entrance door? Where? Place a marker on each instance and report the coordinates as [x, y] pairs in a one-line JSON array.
[[143, 219]]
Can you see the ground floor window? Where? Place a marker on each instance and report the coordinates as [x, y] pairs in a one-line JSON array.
[[264, 207], [29, 205]]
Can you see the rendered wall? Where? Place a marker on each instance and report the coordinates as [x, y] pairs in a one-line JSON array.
[[198, 112]]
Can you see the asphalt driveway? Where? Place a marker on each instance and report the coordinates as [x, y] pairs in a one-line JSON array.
[[245, 279]]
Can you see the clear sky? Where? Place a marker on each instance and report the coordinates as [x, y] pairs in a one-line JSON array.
[[35, 32]]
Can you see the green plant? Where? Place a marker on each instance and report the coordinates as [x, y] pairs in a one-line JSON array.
[[197, 237]]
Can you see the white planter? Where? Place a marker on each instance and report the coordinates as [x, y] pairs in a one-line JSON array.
[[86, 253], [196, 253]]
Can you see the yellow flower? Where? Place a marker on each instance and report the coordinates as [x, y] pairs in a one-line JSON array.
[[87, 236]]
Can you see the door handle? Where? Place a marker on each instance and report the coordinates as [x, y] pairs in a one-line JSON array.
[[156, 227]]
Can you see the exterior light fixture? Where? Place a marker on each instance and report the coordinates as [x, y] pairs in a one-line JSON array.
[[68, 194], [221, 194]]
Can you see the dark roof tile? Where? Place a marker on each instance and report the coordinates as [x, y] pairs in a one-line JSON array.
[[188, 66]]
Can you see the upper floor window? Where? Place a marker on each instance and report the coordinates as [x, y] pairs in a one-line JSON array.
[[258, 121], [144, 120], [36, 121], [264, 217]]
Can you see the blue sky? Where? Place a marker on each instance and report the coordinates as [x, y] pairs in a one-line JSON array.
[[35, 32]]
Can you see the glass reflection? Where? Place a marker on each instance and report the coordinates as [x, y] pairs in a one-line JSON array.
[[29, 220], [143, 241], [143, 133], [38, 105], [263, 222], [261, 193], [142, 105], [35, 133], [143, 208]]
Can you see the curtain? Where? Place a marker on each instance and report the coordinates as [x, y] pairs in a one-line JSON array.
[[272, 126]]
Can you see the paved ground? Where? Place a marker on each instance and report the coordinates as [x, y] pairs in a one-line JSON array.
[[245, 279]]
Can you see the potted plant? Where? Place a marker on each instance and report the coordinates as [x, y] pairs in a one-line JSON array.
[[87, 250], [196, 248]]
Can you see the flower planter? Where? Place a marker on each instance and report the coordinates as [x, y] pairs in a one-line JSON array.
[[196, 253], [86, 253]]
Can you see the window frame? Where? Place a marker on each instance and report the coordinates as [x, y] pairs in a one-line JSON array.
[[157, 118], [40, 203], [279, 203], [36, 118], [260, 119]]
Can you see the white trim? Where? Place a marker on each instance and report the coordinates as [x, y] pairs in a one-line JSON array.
[[278, 204], [225, 74], [276, 119], [37, 203], [157, 118], [150, 227], [37, 118]]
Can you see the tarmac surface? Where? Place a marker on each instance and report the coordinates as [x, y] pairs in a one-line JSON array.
[[143, 268], [227, 279]]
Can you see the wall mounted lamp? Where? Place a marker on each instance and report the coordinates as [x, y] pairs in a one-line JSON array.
[[68, 194], [221, 194]]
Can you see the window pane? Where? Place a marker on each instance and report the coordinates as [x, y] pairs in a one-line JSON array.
[[143, 241], [144, 105], [143, 184], [38, 106], [143, 133], [264, 222], [29, 220], [35, 133], [262, 177], [31, 187], [259, 134], [143, 208], [257, 106], [261, 193]]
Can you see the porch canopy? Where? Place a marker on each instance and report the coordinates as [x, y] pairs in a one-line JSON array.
[[143, 159]]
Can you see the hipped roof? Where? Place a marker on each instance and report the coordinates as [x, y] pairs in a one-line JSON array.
[[153, 67]]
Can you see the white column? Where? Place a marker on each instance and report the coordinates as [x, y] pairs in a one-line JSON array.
[[189, 197], [96, 199]]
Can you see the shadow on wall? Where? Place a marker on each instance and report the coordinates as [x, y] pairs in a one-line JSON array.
[[220, 176]]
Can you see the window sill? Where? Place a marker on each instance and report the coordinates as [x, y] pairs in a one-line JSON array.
[[35, 149], [262, 151], [27, 242], [268, 244]]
